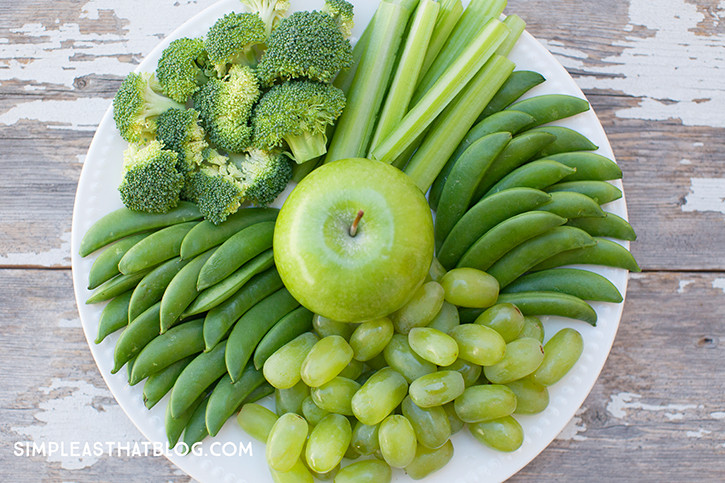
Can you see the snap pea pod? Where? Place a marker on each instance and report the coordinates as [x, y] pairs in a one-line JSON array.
[[536, 174], [114, 316], [116, 286], [129, 367], [228, 396], [551, 303], [124, 222], [507, 235], [222, 317], [290, 326], [610, 225], [589, 166], [567, 140], [178, 343], [181, 291], [581, 283], [483, 216], [570, 204], [367, 471], [465, 175], [605, 252], [160, 383], [600, 191], [504, 121], [551, 107], [151, 288], [262, 391], [256, 421], [518, 83], [252, 326], [156, 248], [195, 429], [135, 336], [105, 266], [235, 252], [504, 434], [175, 425], [521, 149], [535, 250], [216, 294], [201, 373], [428, 460], [206, 234]]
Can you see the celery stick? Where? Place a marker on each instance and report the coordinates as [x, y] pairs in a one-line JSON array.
[[451, 126], [344, 79], [356, 124], [453, 80], [450, 13], [516, 25], [474, 17], [406, 74]]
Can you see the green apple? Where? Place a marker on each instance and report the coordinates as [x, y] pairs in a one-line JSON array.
[[354, 240]]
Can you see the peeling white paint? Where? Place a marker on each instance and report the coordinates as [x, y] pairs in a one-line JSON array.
[[82, 114], [619, 404], [706, 194], [719, 283], [674, 71], [674, 416], [83, 413], [574, 427], [683, 284], [685, 161], [697, 434], [54, 256], [718, 415]]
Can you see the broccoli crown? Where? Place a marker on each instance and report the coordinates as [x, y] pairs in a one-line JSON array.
[[342, 12], [225, 106], [150, 181], [136, 106], [216, 193], [297, 113], [264, 175], [270, 11], [180, 70], [305, 45], [231, 40], [180, 132]]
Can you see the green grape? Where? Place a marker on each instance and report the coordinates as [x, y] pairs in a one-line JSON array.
[[365, 438], [256, 421], [285, 441], [484, 403], [453, 419], [335, 396], [377, 362], [478, 344], [353, 370], [428, 460], [436, 271], [328, 443], [298, 474], [397, 441], [399, 355], [370, 338], [523, 356], [379, 396], [446, 319], [290, 400], [506, 319], [470, 287], [532, 328], [436, 389], [470, 371], [325, 327], [327, 358], [282, 369], [368, 471], [420, 309], [560, 354], [433, 345], [312, 412], [504, 434], [531, 397], [431, 425]]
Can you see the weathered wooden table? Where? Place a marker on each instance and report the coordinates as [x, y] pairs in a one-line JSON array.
[[653, 71]]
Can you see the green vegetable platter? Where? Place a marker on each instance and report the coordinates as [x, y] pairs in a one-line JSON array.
[[539, 195]]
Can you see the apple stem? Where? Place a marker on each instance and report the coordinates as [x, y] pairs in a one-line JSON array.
[[353, 228]]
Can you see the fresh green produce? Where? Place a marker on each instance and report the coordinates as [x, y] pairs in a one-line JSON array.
[[257, 421], [285, 441], [433, 345], [155, 249], [233, 39], [533, 327], [365, 438], [181, 291], [536, 174], [152, 286], [182, 68], [324, 327], [550, 107], [431, 425], [114, 316], [437, 388], [570, 204], [422, 307], [367, 471], [116, 286], [105, 266], [478, 344], [504, 434], [522, 357], [471, 372], [370, 338], [328, 443], [312, 412], [290, 400], [588, 165], [288, 328], [600, 191], [228, 396], [531, 397], [400, 356], [175, 424], [604, 252], [506, 319], [428, 460], [282, 368], [325, 360], [335, 396], [180, 131], [379, 396], [560, 354], [446, 319], [610, 225], [469, 287], [196, 377], [397, 441], [551, 303], [135, 336], [160, 383], [567, 140], [518, 83], [581, 283], [485, 402]]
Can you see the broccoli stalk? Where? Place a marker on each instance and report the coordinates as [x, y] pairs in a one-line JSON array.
[[150, 181], [233, 40], [270, 11], [181, 68]]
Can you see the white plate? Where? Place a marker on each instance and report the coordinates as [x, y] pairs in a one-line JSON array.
[[97, 195]]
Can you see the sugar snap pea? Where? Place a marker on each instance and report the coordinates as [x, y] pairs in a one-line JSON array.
[[535, 250], [581, 283], [124, 222], [116, 286], [536, 174], [465, 175], [211, 297], [151, 288], [228, 396], [114, 316], [252, 326], [290, 326], [157, 385], [483, 216], [156, 248], [507, 235], [222, 317], [589, 166], [570, 204], [175, 424], [135, 336], [263, 390], [551, 303], [195, 429], [600, 191], [105, 266], [177, 343], [197, 376], [206, 234], [605, 252], [181, 291], [518, 83], [610, 225], [551, 107], [567, 140]]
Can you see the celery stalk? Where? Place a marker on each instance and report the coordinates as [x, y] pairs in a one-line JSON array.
[[516, 25], [450, 13], [451, 126], [453, 80], [474, 17], [356, 124], [406, 73], [344, 79]]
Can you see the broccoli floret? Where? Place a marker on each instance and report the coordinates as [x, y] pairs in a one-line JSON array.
[[297, 113], [305, 45], [232, 40], [216, 192], [150, 182], [271, 11], [264, 174], [136, 106], [342, 12], [181, 68], [225, 106], [180, 132]]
